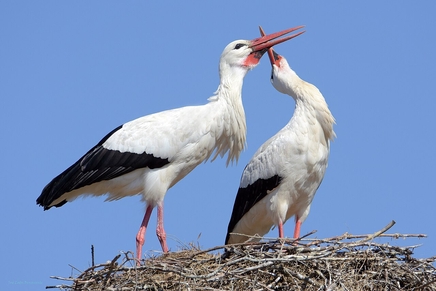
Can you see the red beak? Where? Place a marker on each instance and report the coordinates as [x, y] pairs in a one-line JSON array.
[[262, 44], [268, 41], [270, 50]]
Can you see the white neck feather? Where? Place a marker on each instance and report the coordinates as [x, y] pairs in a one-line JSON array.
[[232, 132], [310, 100]]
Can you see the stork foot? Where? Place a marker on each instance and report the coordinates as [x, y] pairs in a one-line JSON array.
[[140, 236], [297, 228], [281, 232], [160, 231]]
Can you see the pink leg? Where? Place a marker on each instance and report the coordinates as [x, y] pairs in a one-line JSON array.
[[281, 232], [160, 231], [297, 228], [140, 237]]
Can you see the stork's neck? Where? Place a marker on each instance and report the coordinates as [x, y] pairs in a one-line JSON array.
[[229, 98], [231, 80], [230, 88], [310, 104]]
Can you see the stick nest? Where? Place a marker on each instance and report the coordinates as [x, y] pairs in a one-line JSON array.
[[345, 262]]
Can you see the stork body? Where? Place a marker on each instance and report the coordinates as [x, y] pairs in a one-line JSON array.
[[282, 177], [151, 154]]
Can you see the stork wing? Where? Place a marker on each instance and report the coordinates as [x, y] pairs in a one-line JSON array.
[[96, 165], [248, 196]]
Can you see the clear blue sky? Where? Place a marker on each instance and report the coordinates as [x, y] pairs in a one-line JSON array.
[[71, 71]]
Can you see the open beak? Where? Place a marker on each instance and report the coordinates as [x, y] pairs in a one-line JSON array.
[[271, 52], [267, 41]]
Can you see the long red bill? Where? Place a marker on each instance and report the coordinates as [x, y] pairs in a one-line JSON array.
[[270, 50], [268, 41]]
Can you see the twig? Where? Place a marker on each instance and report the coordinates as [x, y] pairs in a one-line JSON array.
[[392, 235], [110, 269], [92, 255], [62, 278], [376, 234]]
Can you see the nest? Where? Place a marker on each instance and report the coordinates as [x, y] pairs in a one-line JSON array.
[[345, 262]]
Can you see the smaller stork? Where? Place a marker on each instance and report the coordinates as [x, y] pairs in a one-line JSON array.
[[282, 177]]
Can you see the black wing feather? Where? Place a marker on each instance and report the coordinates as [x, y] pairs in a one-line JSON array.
[[247, 197], [97, 165]]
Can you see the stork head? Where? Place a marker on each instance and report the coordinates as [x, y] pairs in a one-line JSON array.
[[247, 53], [281, 72]]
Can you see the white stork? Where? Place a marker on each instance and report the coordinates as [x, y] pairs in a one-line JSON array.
[[151, 154], [282, 177]]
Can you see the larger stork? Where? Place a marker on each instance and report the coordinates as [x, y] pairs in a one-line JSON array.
[[151, 154], [282, 177]]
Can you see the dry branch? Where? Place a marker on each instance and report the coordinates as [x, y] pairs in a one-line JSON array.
[[346, 262]]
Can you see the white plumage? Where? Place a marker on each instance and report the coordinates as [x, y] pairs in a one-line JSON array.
[[151, 154], [282, 177]]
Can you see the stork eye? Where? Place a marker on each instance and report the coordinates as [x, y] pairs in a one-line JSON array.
[[239, 45]]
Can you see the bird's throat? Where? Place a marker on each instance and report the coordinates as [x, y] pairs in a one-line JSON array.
[[253, 58]]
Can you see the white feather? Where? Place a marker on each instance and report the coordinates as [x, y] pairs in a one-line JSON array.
[[298, 154]]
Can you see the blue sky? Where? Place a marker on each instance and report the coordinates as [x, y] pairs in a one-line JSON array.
[[70, 72]]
